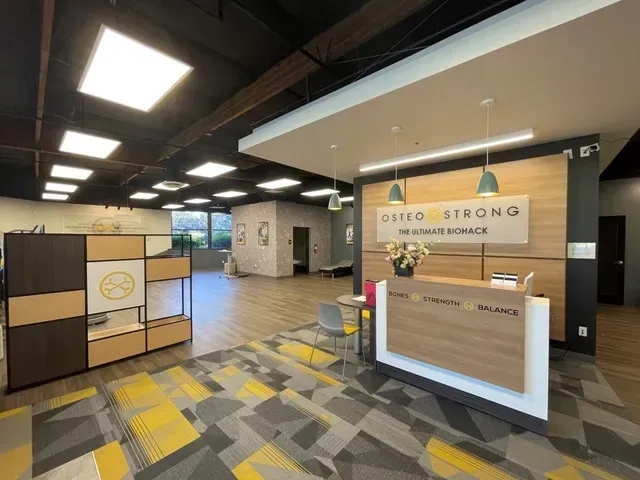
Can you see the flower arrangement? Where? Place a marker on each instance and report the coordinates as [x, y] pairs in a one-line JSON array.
[[413, 256]]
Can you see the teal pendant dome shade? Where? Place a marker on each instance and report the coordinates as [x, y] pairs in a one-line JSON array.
[[334, 202], [395, 195], [488, 185]]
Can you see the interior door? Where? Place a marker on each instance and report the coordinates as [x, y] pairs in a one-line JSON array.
[[611, 243]]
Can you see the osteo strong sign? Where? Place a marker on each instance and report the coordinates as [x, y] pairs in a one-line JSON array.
[[479, 220]]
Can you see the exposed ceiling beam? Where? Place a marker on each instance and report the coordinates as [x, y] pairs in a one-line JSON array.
[[372, 19], [45, 48]]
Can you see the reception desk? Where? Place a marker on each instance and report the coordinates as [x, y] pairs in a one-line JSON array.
[[482, 345]]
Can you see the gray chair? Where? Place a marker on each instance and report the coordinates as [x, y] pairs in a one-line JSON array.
[[330, 321]]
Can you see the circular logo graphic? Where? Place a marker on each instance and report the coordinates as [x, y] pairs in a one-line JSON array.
[[434, 215], [117, 285], [415, 297], [468, 306]]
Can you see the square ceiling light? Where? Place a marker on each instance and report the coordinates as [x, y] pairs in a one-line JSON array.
[[210, 170], [87, 145], [125, 71], [197, 200], [172, 206], [282, 183], [60, 171], [60, 187], [54, 196], [143, 196], [320, 193], [229, 194]]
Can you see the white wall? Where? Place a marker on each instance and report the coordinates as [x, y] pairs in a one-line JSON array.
[[69, 218]]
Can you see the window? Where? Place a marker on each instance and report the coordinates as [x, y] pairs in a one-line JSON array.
[[194, 223], [206, 230], [220, 230]]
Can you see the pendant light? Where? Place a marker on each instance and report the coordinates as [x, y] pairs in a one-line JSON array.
[[488, 183], [395, 194], [334, 201]]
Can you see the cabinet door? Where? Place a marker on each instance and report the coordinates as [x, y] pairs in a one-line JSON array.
[[46, 350]]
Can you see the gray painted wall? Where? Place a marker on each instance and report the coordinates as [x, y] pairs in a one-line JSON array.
[[622, 197], [208, 259], [339, 248]]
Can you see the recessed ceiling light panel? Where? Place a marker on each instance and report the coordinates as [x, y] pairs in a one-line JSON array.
[[143, 195], [172, 206], [282, 183], [229, 194], [60, 187], [54, 196], [197, 200], [320, 193], [87, 145], [60, 171], [210, 170], [125, 71]]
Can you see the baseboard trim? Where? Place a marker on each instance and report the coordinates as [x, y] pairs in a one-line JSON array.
[[507, 414]]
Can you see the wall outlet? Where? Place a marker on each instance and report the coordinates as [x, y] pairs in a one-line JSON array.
[[585, 151], [582, 331]]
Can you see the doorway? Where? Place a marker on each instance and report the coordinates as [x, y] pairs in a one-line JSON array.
[[300, 250], [611, 244]]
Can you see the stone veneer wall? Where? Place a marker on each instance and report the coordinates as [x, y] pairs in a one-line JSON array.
[[276, 259]]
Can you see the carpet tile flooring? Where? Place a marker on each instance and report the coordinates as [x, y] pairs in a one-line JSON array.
[[259, 411]]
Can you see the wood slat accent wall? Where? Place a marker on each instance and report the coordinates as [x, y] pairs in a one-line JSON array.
[[446, 187], [168, 268], [373, 196], [46, 307], [114, 348], [549, 279], [114, 247], [159, 337], [544, 179]]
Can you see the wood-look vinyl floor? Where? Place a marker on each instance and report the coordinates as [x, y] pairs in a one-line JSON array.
[[618, 352], [226, 313]]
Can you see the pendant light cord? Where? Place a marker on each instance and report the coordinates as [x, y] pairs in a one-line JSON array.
[[334, 169], [396, 157], [488, 107]]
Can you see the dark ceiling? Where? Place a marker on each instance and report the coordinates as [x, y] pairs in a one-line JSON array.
[[625, 164], [230, 43]]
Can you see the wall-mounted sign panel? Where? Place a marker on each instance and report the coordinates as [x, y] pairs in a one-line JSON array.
[[115, 285], [478, 220]]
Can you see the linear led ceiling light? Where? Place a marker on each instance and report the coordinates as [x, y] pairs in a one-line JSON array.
[[210, 170], [320, 193], [143, 196], [346, 199], [125, 71], [60, 187], [87, 145], [483, 144], [54, 196], [282, 183], [229, 194], [60, 171], [172, 206], [197, 200]]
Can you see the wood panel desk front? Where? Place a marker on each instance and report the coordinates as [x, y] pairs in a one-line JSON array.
[[466, 326]]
